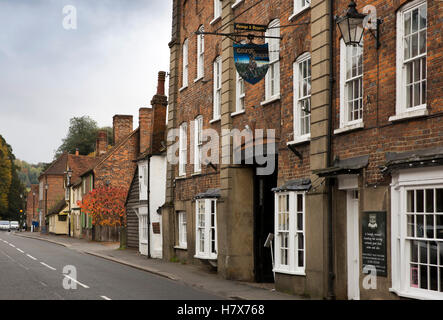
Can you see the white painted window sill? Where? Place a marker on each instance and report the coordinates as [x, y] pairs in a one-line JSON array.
[[201, 257], [298, 12], [236, 113], [300, 140], [293, 273], [235, 5], [195, 174], [198, 79], [215, 20], [410, 114], [180, 177], [417, 295], [271, 100], [181, 247], [144, 242], [215, 120], [350, 127], [183, 88]]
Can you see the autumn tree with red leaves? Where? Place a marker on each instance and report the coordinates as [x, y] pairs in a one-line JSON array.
[[106, 206]]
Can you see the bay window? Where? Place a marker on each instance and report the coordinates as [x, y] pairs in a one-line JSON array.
[[289, 233], [206, 229]]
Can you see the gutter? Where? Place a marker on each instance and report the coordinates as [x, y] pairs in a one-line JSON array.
[[329, 182]]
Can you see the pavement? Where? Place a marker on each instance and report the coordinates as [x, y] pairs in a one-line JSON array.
[[194, 276]]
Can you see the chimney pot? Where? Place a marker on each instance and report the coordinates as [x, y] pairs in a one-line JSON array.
[[77, 152]]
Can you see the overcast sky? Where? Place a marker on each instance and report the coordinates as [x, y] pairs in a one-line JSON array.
[[48, 74]]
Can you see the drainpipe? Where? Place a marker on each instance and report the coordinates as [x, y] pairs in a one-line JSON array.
[[331, 275], [149, 207]]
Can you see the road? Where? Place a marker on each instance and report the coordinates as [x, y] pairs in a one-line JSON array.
[[34, 270]]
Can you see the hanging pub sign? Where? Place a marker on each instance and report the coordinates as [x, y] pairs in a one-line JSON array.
[[251, 61]]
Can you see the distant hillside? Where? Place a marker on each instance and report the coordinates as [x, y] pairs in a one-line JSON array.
[[29, 173]]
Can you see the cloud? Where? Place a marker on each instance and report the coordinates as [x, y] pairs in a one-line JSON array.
[[107, 66]]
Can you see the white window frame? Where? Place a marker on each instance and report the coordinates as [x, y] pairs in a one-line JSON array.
[[236, 3], [293, 233], [185, 63], [203, 229], [198, 143], [272, 78], [143, 227], [298, 112], [240, 95], [344, 107], [183, 149], [299, 6], [182, 231], [216, 110], [200, 54], [401, 109], [217, 11], [403, 180]]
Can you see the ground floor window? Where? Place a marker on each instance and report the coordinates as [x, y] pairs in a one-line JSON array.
[[289, 232], [143, 228], [417, 209], [206, 229], [182, 233]]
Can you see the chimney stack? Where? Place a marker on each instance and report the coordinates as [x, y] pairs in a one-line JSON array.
[[159, 103], [122, 127], [145, 124], [101, 143], [77, 152]]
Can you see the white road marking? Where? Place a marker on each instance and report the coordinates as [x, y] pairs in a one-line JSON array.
[[22, 266], [83, 285], [48, 266], [105, 297], [31, 257], [20, 250], [12, 245], [5, 241], [43, 284]]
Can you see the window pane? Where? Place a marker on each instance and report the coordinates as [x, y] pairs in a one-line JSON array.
[[299, 202], [407, 23], [440, 247], [420, 204], [414, 251], [419, 227], [417, 94], [299, 221], [407, 48], [300, 259], [300, 241], [423, 92], [433, 278], [414, 275], [423, 249], [410, 200], [422, 17], [430, 226], [423, 277], [414, 20], [414, 45], [441, 279], [411, 225], [433, 251], [422, 44], [439, 196], [439, 229], [430, 200]]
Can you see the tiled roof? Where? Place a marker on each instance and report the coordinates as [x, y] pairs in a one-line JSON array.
[[79, 164], [57, 167]]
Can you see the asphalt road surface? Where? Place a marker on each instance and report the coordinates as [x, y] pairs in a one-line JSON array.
[[37, 270]]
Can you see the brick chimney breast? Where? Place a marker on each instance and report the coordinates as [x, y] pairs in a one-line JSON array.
[[145, 124], [159, 103], [122, 127], [101, 146]]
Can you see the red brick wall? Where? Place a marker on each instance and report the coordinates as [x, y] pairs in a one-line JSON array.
[[145, 125], [379, 84], [31, 204], [55, 193], [122, 125]]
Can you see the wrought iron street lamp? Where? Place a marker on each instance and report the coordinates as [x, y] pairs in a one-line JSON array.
[[352, 26]]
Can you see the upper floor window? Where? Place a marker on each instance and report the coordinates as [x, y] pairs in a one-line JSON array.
[[272, 79], [302, 97], [411, 57], [289, 232], [217, 9], [182, 233], [351, 84], [185, 64], [300, 5], [217, 87], [239, 94], [200, 54], [182, 149], [198, 143]]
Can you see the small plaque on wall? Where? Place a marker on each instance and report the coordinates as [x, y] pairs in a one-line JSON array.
[[374, 242], [156, 228]]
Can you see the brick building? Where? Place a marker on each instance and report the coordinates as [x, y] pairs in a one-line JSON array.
[[358, 146]]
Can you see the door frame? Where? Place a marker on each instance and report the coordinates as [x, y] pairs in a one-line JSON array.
[[353, 245]]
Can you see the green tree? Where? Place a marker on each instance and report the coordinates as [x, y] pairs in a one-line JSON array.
[[5, 175], [82, 135]]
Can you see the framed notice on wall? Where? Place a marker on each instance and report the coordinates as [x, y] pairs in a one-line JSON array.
[[374, 242]]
